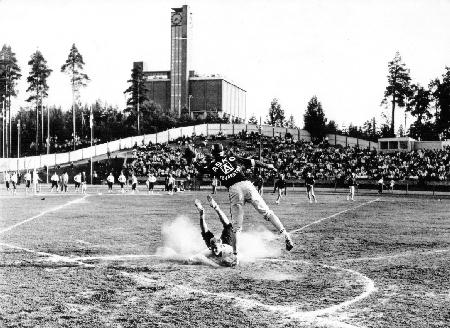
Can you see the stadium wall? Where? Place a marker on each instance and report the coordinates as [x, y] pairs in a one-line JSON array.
[[50, 160]]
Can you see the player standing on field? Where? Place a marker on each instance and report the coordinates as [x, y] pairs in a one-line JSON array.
[[122, 181], [55, 180], [64, 181], [259, 183], [214, 184], [110, 181], [351, 186], [14, 182], [27, 178], [36, 180], [150, 182], [7, 179], [134, 182], [170, 184], [83, 183], [77, 181], [309, 183], [241, 191]]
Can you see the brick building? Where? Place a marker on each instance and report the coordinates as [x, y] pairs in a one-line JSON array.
[[181, 88]]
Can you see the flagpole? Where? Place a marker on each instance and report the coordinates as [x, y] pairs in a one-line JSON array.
[[91, 124]]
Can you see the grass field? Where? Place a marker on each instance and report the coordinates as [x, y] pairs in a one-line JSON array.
[[95, 261]]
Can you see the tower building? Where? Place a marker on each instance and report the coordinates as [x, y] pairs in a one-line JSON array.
[[181, 89]]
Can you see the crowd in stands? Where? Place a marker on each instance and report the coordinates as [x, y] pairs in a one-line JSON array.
[[295, 158]]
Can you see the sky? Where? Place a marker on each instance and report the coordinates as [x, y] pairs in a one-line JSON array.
[[284, 49]]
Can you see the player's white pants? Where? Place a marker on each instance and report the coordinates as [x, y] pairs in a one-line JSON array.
[[245, 192]]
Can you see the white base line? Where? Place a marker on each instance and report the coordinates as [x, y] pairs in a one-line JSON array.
[[334, 215], [42, 214], [52, 257]]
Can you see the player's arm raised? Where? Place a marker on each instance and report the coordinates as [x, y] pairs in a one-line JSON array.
[[249, 162]]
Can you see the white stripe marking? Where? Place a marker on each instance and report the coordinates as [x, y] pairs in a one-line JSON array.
[[334, 215], [52, 257], [42, 214]]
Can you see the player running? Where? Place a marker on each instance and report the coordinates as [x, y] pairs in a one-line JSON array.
[[241, 191], [77, 181], [219, 249], [309, 183], [280, 185]]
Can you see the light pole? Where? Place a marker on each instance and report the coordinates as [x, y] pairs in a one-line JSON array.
[[91, 125], [138, 126], [48, 129], [189, 105], [18, 138]]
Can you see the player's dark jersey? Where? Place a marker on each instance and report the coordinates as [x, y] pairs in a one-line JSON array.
[[351, 181], [309, 181], [227, 169], [280, 184]]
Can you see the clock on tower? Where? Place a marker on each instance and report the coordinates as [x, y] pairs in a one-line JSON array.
[[177, 19]]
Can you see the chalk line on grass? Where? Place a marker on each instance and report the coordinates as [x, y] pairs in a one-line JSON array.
[[334, 215], [54, 209], [395, 256], [51, 257]]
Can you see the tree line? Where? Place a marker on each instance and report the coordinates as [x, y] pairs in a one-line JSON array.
[[428, 105], [70, 129]]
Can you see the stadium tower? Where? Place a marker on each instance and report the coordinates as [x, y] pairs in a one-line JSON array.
[[179, 88]]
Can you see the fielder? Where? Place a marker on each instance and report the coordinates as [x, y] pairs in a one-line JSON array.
[[110, 181], [309, 183], [241, 191], [351, 186]]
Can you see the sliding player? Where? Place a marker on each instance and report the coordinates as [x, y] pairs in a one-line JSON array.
[[219, 249], [241, 191]]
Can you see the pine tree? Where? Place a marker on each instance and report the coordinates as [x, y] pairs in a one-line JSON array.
[[314, 119], [440, 91], [74, 68], [37, 79], [276, 115], [398, 89], [137, 95], [9, 74]]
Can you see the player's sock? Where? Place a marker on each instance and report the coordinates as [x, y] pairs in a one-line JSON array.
[[211, 201], [198, 204]]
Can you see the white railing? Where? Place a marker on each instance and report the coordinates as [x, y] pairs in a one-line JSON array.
[[24, 163]]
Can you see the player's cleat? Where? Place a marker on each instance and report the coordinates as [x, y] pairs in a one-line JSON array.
[[289, 243], [198, 204], [277, 202], [211, 201]]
